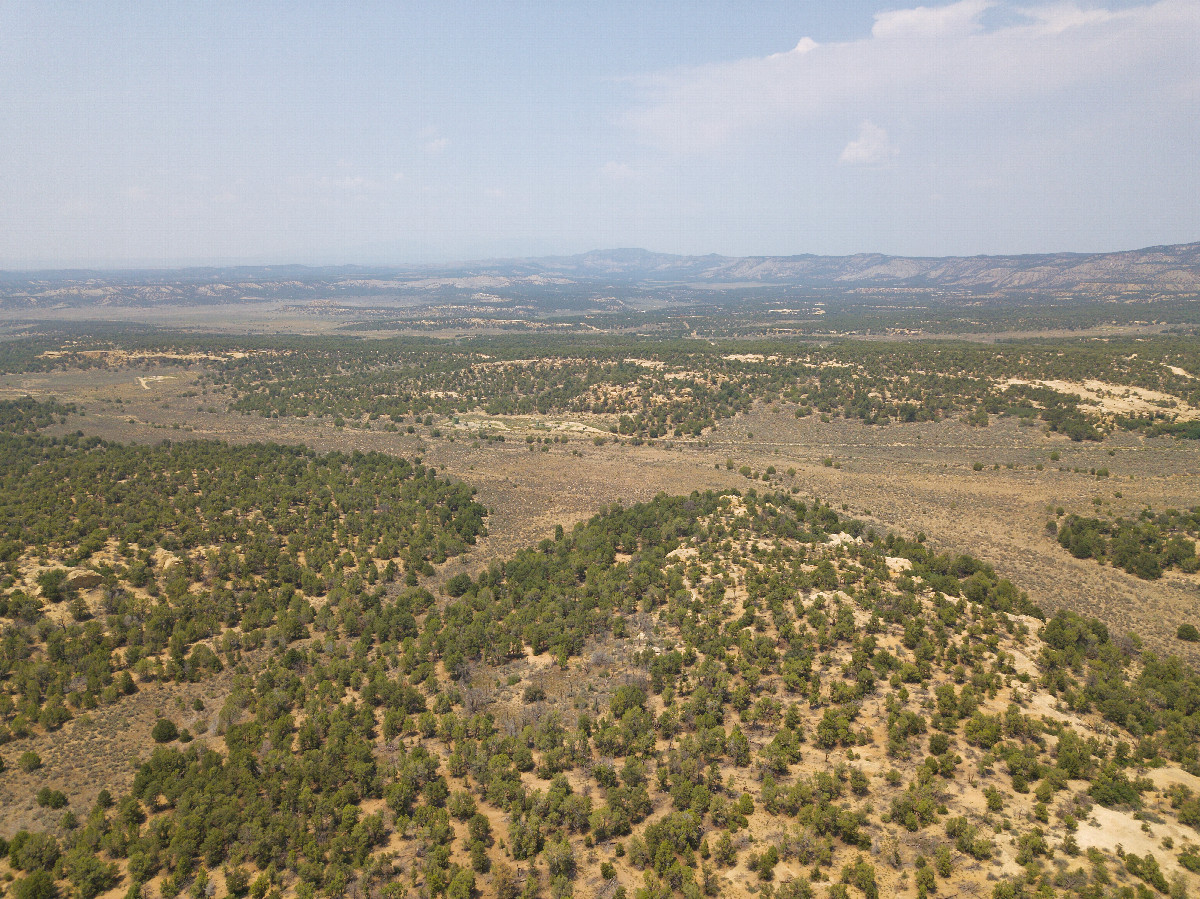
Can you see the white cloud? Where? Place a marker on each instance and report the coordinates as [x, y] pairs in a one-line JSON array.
[[618, 171], [1060, 17], [432, 140], [926, 64], [805, 45], [931, 22], [871, 147], [345, 182]]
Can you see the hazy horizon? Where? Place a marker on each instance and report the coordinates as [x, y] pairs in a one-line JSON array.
[[438, 264]]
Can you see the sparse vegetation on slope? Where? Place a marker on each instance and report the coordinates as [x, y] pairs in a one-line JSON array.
[[699, 695], [131, 563]]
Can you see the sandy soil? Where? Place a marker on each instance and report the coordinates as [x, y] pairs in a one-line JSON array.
[[1114, 399]]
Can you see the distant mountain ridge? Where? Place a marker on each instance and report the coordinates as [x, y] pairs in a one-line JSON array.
[[1171, 269]]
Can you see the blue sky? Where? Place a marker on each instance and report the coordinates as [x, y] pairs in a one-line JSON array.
[[171, 133]]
